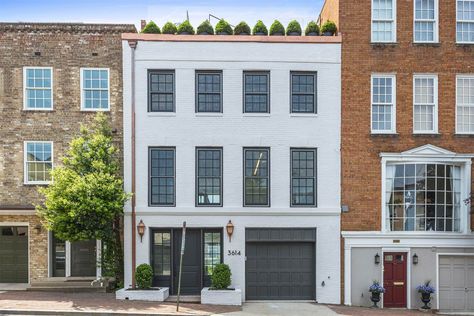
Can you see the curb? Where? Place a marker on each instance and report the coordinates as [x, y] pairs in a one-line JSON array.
[[79, 312]]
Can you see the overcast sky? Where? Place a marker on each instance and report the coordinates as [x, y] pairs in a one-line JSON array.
[[160, 11]]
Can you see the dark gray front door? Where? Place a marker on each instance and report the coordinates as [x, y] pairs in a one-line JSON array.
[[13, 254], [191, 274], [83, 258]]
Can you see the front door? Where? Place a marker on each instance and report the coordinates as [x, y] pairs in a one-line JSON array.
[[58, 259], [395, 279], [191, 273], [83, 258]]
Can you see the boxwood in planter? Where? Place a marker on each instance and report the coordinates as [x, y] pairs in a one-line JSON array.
[[169, 28], [205, 28], [151, 28], [223, 28], [293, 28], [144, 276], [186, 28], [220, 278], [242, 29], [329, 28], [312, 29], [260, 28], [277, 28]]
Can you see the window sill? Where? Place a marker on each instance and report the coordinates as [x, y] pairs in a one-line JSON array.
[[464, 135], [427, 135], [161, 114], [38, 110], [256, 115], [209, 114], [465, 44], [427, 44], [388, 134], [36, 183], [95, 110], [303, 115], [383, 44]]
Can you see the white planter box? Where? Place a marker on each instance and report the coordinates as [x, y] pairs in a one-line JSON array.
[[155, 295], [221, 297]]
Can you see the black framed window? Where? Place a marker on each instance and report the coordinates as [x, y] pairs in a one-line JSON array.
[[161, 91], [303, 92], [256, 92], [303, 177], [209, 91], [209, 176], [212, 250], [162, 253], [256, 177], [162, 176]]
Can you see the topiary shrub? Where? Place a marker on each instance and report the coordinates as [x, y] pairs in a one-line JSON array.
[[223, 28], [260, 28], [311, 29], [205, 28], [151, 28], [186, 28], [169, 28], [329, 28], [242, 29], [220, 277], [277, 28], [293, 28], [144, 276]]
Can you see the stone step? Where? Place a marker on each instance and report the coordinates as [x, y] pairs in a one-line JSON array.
[[184, 298]]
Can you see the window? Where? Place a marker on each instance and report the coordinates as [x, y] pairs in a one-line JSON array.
[[38, 162], [209, 91], [256, 177], [38, 87], [426, 21], [209, 177], [161, 91], [95, 89], [425, 104], [161, 253], [465, 21], [303, 92], [162, 176], [423, 197], [256, 92], [212, 251], [303, 177], [383, 21], [465, 104], [383, 104]]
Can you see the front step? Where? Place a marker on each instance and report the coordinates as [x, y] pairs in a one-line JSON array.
[[184, 298], [69, 284]]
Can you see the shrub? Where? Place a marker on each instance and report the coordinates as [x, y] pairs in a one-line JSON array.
[[144, 276], [205, 27], [223, 27], [312, 27], [293, 27], [329, 27], [277, 28], [260, 28], [151, 28], [186, 27], [169, 28], [220, 277], [242, 28]]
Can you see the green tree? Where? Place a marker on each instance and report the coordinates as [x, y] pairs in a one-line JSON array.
[[86, 198]]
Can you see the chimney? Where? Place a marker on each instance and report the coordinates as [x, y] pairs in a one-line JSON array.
[[142, 24]]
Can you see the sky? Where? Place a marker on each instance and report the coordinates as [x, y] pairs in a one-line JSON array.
[[160, 11]]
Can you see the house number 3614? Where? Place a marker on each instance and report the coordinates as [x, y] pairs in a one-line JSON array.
[[233, 253]]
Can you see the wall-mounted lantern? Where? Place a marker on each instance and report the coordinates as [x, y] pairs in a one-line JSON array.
[[377, 259], [415, 259], [141, 229], [230, 229]]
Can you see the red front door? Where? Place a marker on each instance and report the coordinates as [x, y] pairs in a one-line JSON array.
[[395, 279]]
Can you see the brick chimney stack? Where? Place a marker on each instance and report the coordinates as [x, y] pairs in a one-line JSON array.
[[142, 24]]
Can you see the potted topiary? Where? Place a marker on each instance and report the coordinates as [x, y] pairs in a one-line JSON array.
[[169, 28], [242, 29], [312, 29], [205, 28], [293, 28], [277, 28], [185, 28], [151, 28], [426, 290], [223, 28], [376, 289], [329, 28], [260, 28], [219, 293], [144, 290]]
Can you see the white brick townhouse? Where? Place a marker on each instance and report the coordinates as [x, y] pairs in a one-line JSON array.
[[237, 132]]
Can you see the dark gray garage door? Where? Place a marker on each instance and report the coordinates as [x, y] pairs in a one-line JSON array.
[[456, 283], [13, 254], [280, 264]]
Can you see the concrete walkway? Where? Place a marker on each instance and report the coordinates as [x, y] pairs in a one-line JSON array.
[[283, 309]]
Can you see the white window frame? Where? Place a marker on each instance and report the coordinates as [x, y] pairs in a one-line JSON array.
[[25, 97], [83, 108], [436, 23], [463, 76], [25, 161], [393, 129], [435, 100], [460, 21], [393, 20]]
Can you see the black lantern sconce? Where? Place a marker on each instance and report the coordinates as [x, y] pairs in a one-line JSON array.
[[377, 259], [141, 229], [230, 229], [415, 259]]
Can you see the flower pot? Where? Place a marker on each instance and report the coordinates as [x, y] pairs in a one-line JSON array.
[[312, 34], [426, 298], [203, 33], [260, 33], [243, 33], [222, 33], [375, 298], [184, 33], [221, 297], [328, 34], [294, 34], [277, 34]]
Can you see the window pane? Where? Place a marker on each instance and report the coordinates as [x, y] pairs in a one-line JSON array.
[[382, 103], [209, 94], [256, 93], [256, 177], [303, 93], [303, 177], [162, 254], [425, 106], [95, 89], [38, 88], [161, 89], [209, 176], [38, 162], [162, 176], [465, 21], [465, 105], [212, 251]]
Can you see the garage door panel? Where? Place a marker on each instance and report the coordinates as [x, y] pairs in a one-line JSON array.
[[456, 292], [13, 254]]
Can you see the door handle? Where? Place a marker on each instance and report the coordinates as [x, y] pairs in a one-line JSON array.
[[399, 283]]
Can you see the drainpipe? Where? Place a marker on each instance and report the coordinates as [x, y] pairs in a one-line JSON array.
[[133, 45]]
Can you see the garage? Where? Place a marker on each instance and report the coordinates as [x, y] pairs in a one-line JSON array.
[[280, 264], [456, 283], [13, 254]]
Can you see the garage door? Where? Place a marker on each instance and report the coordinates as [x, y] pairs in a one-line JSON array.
[[13, 254], [280, 264], [456, 283]]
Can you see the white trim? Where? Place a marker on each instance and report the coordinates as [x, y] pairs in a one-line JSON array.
[[460, 76], [310, 211], [25, 160], [25, 102], [468, 21], [67, 272], [347, 275], [82, 90], [98, 254], [27, 224], [434, 77], [394, 21], [393, 127], [17, 212], [436, 24]]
